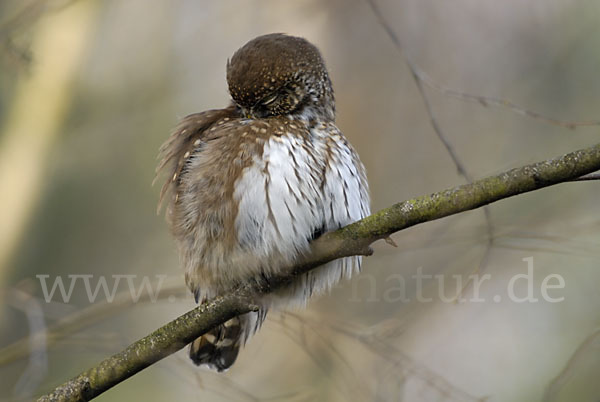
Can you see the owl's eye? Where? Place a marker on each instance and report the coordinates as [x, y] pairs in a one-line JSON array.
[[269, 99]]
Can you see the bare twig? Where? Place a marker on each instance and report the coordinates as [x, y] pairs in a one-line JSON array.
[[38, 359], [354, 239], [487, 101], [377, 340], [417, 76], [588, 177], [81, 319], [583, 351]]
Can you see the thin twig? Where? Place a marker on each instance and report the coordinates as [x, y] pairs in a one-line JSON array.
[[413, 70], [484, 101], [487, 101], [588, 177], [583, 352], [82, 319], [37, 367], [416, 74]]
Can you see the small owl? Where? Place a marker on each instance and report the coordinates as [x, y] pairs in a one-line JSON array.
[[249, 186]]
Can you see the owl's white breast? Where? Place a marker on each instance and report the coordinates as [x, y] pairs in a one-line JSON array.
[[298, 186], [279, 199]]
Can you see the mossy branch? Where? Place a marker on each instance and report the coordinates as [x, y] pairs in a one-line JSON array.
[[353, 239]]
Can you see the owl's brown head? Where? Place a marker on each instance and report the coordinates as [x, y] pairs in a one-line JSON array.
[[277, 75]]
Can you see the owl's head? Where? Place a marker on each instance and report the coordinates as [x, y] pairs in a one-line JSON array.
[[280, 75]]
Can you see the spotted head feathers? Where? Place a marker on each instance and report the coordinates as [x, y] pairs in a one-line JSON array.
[[276, 75]]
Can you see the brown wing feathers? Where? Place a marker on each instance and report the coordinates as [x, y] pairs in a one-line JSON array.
[[183, 139]]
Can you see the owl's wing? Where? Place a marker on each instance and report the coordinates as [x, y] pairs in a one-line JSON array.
[[171, 154]]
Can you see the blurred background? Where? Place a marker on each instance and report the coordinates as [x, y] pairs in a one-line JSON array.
[[90, 89]]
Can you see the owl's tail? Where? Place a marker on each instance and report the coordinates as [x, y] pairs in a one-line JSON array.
[[218, 348]]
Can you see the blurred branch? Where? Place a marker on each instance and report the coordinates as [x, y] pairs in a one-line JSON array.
[[418, 75], [421, 77], [26, 17], [377, 340], [23, 18], [81, 319], [583, 352], [487, 101], [415, 72], [354, 239], [38, 359]]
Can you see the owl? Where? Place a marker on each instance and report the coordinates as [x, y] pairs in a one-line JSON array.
[[251, 185]]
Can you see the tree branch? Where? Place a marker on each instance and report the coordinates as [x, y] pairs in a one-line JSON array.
[[353, 239]]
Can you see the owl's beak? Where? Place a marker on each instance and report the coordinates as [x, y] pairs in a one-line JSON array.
[[247, 113]]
